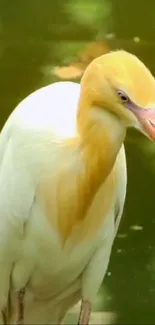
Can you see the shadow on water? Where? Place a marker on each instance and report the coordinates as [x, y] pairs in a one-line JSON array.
[[36, 36]]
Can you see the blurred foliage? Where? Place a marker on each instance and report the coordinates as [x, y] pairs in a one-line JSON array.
[[87, 14], [76, 68]]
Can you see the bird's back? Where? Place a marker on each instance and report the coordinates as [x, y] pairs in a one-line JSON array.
[[52, 108]]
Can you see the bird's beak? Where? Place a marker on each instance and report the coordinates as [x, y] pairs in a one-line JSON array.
[[146, 118]]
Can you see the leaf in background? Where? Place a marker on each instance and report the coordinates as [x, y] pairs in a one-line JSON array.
[[77, 68]]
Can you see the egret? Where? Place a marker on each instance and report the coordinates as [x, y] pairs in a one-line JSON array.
[[63, 186]]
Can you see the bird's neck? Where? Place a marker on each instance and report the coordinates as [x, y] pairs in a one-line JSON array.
[[101, 135], [92, 156], [97, 146]]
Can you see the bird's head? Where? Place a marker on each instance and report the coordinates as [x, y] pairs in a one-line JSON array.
[[120, 83]]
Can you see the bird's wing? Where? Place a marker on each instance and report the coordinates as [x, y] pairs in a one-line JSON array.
[[17, 195], [22, 156], [26, 141]]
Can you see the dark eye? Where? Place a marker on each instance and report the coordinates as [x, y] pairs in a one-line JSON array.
[[124, 98]]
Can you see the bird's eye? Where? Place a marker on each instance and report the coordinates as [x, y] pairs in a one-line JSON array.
[[124, 98]]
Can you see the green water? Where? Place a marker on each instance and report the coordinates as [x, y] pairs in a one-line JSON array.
[[36, 36]]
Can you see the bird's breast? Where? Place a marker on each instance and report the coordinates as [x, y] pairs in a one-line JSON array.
[[51, 265], [72, 205]]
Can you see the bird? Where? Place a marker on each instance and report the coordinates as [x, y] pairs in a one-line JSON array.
[[63, 181]]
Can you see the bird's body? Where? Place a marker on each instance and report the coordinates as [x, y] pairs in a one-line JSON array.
[[63, 185], [50, 253]]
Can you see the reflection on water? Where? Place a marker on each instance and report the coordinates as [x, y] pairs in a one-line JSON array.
[[36, 38]]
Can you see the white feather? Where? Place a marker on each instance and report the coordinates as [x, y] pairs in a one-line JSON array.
[[30, 251]]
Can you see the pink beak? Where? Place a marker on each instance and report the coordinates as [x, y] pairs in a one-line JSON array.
[[146, 118]]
